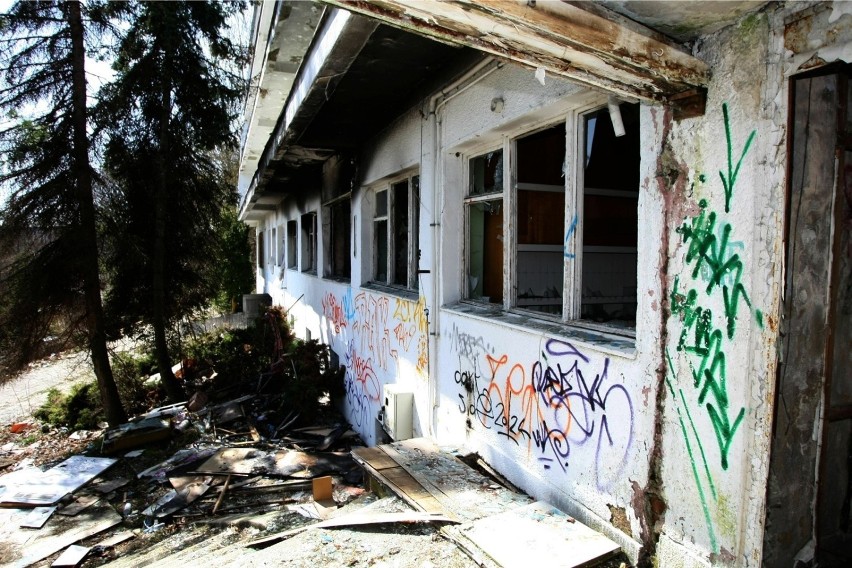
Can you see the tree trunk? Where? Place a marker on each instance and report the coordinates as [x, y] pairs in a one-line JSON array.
[[158, 270], [95, 328]]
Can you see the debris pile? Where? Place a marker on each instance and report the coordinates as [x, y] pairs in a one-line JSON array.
[[243, 461]]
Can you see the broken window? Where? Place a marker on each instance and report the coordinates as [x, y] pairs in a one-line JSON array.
[[395, 229], [281, 246], [610, 218], [484, 207], [309, 242], [273, 239], [337, 236], [260, 249], [552, 253], [292, 257]]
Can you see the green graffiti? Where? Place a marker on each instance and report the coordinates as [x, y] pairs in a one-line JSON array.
[[730, 179], [695, 475], [706, 248], [709, 375], [712, 259], [700, 446]]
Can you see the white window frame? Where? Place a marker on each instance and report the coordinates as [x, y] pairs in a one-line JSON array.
[[574, 121], [413, 213]]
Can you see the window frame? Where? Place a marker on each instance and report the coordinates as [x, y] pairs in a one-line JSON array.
[[308, 241], [330, 208], [260, 237], [389, 218], [292, 249], [574, 184]]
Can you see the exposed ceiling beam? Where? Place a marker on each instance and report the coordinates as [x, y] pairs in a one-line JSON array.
[[561, 37]]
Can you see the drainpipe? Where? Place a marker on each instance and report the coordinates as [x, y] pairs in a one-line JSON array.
[[475, 74]]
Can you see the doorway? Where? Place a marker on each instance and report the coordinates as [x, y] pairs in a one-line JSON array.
[[809, 492]]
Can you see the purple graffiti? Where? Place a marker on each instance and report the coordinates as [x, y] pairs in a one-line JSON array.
[[559, 405]]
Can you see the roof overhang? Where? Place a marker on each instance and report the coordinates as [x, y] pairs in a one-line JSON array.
[[282, 32], [580, 41], [356, 77]]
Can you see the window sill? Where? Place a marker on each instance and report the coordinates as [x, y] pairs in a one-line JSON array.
[[398, 292], [599, 340]]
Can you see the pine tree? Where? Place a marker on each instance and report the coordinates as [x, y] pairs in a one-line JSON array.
[[172, 103], [49, 277]]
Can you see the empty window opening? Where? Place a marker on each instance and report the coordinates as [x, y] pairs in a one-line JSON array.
[[309, 242], [292, 257], [610, 218], [541, 221], [260, 249], [339, 239]]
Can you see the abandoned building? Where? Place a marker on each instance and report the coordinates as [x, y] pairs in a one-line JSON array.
[[453, 195]]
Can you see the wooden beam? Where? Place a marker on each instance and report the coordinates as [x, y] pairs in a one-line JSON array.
[[561, 37]]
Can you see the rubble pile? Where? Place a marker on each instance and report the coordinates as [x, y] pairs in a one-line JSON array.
[[246, 461]]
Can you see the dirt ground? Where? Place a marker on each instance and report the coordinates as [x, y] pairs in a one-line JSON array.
[[22, 395]]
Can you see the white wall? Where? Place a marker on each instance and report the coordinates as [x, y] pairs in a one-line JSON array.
[[643, 431]]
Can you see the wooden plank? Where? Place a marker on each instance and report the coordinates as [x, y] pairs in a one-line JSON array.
[[534, 535], [378, 476], [377, 459], [79, 505], [115, 539], [356, 519], [72, 557], [462, 491]]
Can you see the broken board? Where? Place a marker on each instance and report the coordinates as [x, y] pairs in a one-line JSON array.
[[134, 434], [42, 488], [352, 520], [37, 517], [72, 557], [22, 548], [533, 535], [432, 480], [283, 463]]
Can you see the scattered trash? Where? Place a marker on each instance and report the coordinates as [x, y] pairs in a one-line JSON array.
[[19, 427], [134, 453], [174, 500], [58, 533], [151, 525], [283, 463], [181, 458]]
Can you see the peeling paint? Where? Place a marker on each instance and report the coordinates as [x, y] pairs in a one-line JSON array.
[[618, 518]]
